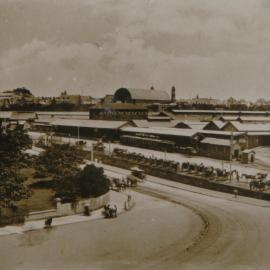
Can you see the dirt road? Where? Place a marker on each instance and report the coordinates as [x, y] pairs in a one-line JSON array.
[[237, 237], [169, 228], [152, 231]]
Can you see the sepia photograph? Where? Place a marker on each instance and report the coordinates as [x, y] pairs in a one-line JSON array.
[[134, 135]]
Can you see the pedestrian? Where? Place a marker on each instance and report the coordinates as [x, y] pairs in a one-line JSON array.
[[237, 176], [48, 222], [235, 192]]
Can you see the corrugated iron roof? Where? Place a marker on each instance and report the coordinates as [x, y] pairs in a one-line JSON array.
[[218, 132], [219, 123], [255, 118], [192, 124], [5, 114], [250, 127], [225, 112], [23, 115], [148, 124], [162, 131], [89, 123]]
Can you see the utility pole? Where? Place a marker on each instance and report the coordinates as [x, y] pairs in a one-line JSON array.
[[78, 133], [231, 154], [92, 152]]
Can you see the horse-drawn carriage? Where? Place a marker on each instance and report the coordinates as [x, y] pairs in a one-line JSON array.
[[137, 172], [109, 212], [98, 146]]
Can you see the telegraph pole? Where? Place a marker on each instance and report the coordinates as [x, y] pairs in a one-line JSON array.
[[231, 154]]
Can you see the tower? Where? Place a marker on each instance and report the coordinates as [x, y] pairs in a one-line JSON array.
[[173, 99]]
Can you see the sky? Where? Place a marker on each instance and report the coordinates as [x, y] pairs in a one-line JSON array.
[[213, 48]]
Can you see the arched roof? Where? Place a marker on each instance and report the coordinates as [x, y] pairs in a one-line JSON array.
[[143, 94]]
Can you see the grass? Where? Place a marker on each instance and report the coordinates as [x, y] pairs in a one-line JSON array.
[[41, 199]]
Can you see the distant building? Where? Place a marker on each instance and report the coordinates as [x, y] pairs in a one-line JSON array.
[[117, 111], [73, 99], [140, 96], [107, 99], [19, 96], [205, 101]]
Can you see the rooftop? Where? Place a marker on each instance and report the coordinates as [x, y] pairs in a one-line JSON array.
[[89, 123], [225, 112], [250, 126], [162, 131]]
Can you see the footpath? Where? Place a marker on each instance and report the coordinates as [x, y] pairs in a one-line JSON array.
[[116, 198]]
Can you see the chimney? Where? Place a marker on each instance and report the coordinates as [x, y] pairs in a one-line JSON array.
[[173, 94]]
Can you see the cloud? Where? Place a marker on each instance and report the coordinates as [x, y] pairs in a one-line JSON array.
[[214, 48]]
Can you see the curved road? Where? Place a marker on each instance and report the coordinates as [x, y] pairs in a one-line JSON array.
[[169, 228], [238, 236]]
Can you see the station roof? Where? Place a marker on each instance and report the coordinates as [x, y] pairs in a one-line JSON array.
[[102, 124], [255, 118], [252, 127], [5, 114], [162, 131], [23, 115], [147, 124], [221, 112], [219, 124], [218, 132], [192, 124]]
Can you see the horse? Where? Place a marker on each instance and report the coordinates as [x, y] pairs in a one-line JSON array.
[[109, 212], [257, 185]]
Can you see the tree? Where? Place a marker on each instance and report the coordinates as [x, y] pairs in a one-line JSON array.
[[12, 188], [90, 182], [60, 160], [66, 189]]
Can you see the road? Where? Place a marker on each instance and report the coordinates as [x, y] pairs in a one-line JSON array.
[[139, 238], [237, 236], [170, 227]]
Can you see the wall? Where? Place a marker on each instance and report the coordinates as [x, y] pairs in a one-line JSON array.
[[41, 214], [78, 208], [65, 209], [215, 151]]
